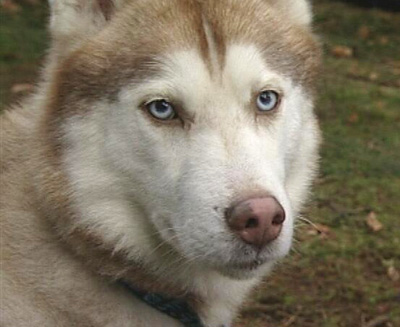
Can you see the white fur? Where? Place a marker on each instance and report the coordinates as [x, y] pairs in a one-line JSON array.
[[72, 22], [296, 10]]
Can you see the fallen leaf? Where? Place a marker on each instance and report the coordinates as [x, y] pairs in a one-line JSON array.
[[21, 88], [354, 68], [393, 274], [373, 223], [378, 321], [320, 230], [353, 118], [323, 229], [384, 40], [371, 145], [10, 6], [373, 76], [312, 231], [363, 32], [380, 105], [395, 63], [289, 322], [342, 51], [383, 308]]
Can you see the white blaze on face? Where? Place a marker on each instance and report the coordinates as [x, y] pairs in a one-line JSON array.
[[228, 151], [183, 178]]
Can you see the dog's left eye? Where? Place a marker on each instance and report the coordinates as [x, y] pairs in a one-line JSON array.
[[267, 101], [161, 109]]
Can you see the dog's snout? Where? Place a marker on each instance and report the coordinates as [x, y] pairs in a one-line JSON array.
[[257, 221]]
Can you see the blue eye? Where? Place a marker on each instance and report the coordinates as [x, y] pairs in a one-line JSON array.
[[161, 109], [267, 101]]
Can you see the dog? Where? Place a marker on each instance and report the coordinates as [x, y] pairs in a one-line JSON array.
[[155, 175]]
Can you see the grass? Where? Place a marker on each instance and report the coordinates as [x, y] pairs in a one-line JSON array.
[[341, 278], [338, 278], [23, 40]]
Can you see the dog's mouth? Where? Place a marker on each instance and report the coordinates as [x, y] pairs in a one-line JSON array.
[[242, 270], [247, 266]]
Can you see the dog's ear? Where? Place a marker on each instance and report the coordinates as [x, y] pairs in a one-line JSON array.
[[299, 11], [73, 21]]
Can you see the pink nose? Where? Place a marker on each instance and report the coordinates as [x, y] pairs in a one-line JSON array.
[[256, 221]]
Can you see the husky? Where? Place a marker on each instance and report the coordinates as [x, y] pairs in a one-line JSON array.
[[155, 176]]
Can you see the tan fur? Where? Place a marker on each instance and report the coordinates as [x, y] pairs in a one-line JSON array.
[[57, 274]]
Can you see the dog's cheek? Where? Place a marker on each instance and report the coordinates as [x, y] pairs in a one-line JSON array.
[[301, 149]]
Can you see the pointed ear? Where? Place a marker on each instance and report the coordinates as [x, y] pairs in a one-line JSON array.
[[299, 11], [72, 21]]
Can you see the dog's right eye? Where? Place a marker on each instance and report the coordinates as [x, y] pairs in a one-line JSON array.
[[161, 109], [267, 101]]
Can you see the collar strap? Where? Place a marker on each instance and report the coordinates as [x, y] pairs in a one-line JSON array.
[[174, 308]]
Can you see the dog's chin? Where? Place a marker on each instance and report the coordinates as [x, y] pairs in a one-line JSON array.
[[243, 271], [239, 274]]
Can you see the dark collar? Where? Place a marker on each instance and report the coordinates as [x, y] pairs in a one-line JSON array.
[[174, 308]]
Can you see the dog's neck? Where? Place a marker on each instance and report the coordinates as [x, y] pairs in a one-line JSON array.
[[175, 308], [216, 304], [135, 278]]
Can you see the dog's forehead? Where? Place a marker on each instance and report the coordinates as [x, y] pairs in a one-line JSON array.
[[133, 46], [212, 26], [185, 76], [201, 46]]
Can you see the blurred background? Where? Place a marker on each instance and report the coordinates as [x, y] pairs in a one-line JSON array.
[[344, 270]]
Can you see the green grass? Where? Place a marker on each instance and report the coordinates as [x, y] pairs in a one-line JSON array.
[[339, 279], [23, 40]]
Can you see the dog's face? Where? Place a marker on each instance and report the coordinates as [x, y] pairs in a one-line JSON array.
[[189, 111]]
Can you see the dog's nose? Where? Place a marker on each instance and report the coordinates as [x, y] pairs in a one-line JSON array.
[[256, 221]]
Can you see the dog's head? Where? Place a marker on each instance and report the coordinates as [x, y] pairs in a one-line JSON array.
[[186, 123]]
